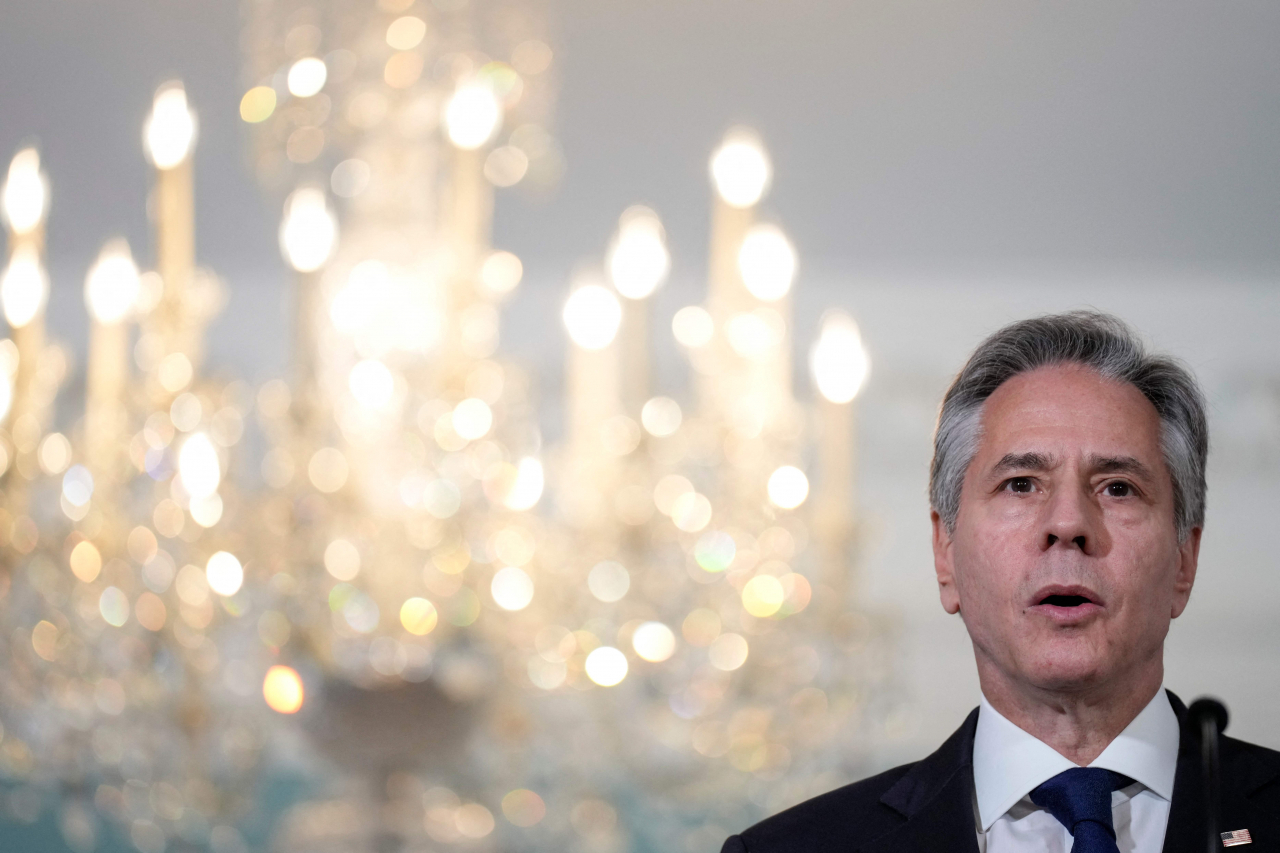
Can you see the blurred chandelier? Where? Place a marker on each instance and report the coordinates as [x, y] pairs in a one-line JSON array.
[[635, 639]]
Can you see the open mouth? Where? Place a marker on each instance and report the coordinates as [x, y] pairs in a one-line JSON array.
[[1067, 605], [1065, 600]]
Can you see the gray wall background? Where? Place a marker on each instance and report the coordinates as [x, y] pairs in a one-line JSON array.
[[943, 168]]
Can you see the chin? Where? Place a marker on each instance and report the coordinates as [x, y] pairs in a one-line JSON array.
[[1065, 670]]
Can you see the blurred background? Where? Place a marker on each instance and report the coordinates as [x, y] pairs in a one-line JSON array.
[[622, 571]]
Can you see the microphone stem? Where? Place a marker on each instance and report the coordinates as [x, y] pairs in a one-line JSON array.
[[1209, 756]]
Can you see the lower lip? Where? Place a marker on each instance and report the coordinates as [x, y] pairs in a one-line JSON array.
[[1068, 615]]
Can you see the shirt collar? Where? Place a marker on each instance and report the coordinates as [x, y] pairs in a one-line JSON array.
[[1008, 762]]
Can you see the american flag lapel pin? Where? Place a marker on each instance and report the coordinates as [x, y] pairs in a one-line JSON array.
[[1236, 837]]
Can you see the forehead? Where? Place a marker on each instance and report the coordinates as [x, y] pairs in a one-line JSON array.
[[1068, 410]]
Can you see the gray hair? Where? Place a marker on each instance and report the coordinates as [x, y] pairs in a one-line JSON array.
[[1098, 341]]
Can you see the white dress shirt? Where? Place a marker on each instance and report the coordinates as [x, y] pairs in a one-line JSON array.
[[1008, 763]]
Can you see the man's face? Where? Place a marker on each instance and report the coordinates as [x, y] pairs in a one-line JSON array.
[[1065, 563]]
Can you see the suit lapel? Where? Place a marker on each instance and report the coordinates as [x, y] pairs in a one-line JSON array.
[[1185, 831], [936, 800]]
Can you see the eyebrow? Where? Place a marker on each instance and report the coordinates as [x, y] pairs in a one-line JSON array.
[[1034, 461], [1120, 465], [1023, 462]]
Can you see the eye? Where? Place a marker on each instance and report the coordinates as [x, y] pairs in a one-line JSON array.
[[1019, 485], [1119, 489]]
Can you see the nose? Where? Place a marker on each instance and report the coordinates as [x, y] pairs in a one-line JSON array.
[[1072, 519]]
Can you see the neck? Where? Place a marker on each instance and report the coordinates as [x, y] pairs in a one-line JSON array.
[[1078, 723]]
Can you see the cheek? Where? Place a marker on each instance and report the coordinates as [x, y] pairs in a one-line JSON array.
[[1007, 530], [988, 571], [1143, 575], [1146, 555]]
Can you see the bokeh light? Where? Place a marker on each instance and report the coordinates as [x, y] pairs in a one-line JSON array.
[[24, 201], [418, 616], [756, 334], [198, 466], [608, 581], [512, 588], [728, 652], [307, 77], [112, 286], [639, 260], [113, 604], [77, 485], [258, 104], [740, 169], [55, 453], [763, 595], [406, 33], [523, 807], [715, 550], [224, 573], [500, 273], [170, 130], [342, 559], [472, 418], [788, 487], [282, 689], [838, 361], [606, 666], [85, 561], [592, 315], [654, 641], [372, 384], [693, 326], [767, 262], [472, 116], [668, 490], [691, 512], [527, 487], [473, 820], [350, 178], [661, 416], [506, 166], [309, 229], [328, 469], [24, 288]]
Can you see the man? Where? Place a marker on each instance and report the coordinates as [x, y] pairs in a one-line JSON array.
[[1067, 493]]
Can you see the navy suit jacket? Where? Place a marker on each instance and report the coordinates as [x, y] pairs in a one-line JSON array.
[[928, 806]]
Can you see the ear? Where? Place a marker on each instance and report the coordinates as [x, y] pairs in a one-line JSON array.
[[943, 565], [1185, 578]]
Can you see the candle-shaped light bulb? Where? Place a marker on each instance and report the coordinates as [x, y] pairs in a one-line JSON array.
[[594, 387], [639, 260], [26, 193], [838, 360], [592, 315], [740, 169], [309, 230], [170, 130], [472, 116], [767, 263], [24, 289], [111, 291], [112, 286]]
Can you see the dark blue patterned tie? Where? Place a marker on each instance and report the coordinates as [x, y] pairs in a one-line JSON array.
[[1080, 799]]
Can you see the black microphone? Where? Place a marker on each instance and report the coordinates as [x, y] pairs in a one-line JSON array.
[[1208, 720]]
